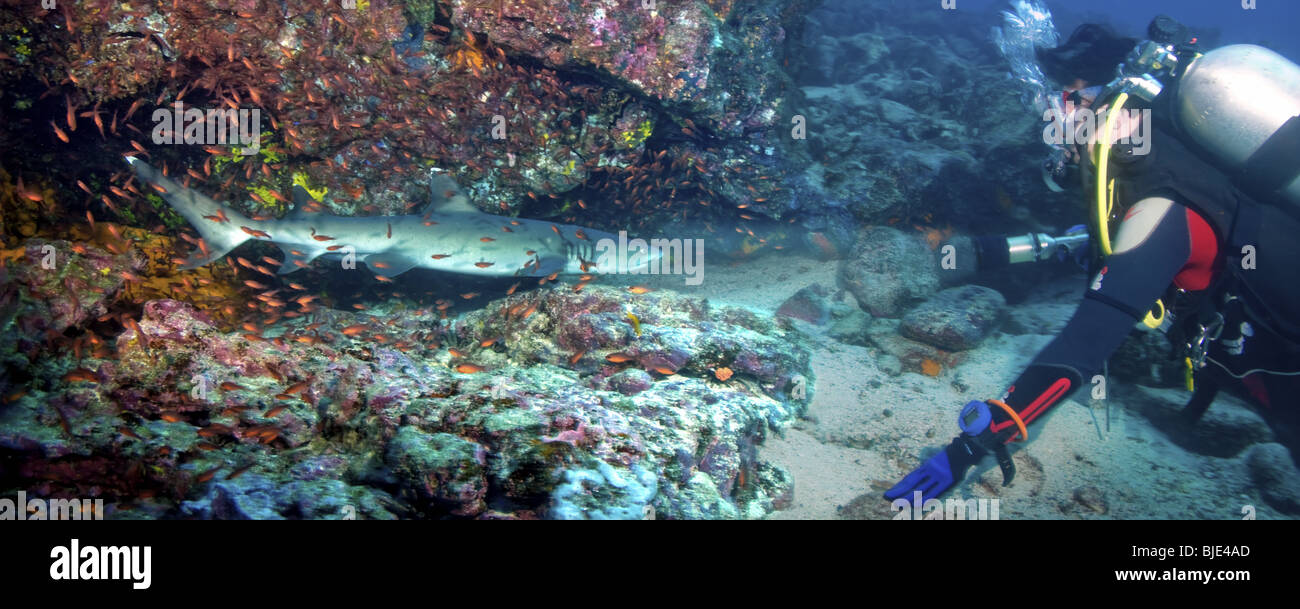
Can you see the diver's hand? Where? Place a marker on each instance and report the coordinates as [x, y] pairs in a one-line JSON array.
[[940, 472]]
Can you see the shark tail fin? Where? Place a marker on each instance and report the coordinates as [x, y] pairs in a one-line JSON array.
[[219, 226]]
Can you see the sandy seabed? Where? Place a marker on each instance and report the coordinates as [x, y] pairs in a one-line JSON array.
[[865, 428]]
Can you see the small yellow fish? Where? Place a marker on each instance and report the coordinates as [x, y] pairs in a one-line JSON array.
[[636, 323]]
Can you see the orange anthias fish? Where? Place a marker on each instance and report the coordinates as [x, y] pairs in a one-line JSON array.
[[81, 374]]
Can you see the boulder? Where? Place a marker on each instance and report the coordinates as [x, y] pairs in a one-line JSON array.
[[809, 304], [1275, 474], [888, 271], [955, 319]]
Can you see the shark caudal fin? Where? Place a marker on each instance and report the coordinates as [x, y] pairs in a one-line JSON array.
[[218, 226]]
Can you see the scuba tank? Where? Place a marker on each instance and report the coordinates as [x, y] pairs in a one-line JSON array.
[[1241, 103]]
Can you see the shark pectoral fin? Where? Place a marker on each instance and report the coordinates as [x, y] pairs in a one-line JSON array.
[[446, 197], [387, 264], [294, 259], [548, 265]]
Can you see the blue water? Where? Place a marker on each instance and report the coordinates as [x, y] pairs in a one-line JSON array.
[[1272, 22]]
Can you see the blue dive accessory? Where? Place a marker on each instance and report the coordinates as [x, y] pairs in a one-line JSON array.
[[975, 417], [974, 422], [940, 472]]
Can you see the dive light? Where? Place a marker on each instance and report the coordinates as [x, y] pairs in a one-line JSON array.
[[996, 251]]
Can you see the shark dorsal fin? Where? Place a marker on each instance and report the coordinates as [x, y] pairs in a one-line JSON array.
[[301, 197], [446, 197], [304, 206], [547, 265]]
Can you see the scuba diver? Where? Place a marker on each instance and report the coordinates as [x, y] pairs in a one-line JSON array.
[[1206, 250]]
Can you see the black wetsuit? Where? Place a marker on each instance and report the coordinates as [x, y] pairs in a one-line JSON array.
[[1192, 247], [1128, 285]]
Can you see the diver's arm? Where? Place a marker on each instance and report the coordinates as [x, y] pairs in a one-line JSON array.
[[1159, 242]]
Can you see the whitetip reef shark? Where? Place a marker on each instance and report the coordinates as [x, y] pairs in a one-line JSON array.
[[449, 235]]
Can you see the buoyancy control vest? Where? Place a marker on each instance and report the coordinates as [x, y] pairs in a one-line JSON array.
[[1259, 244]]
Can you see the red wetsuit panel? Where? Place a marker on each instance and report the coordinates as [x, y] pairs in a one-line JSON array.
[[1199, 270]]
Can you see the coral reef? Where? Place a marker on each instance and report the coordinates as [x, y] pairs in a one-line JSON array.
[[225, 392], [46, 289], [715, 68], [600, 110], [184, 420]]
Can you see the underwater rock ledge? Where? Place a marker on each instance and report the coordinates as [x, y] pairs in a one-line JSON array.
[[526, 418]]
